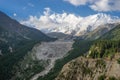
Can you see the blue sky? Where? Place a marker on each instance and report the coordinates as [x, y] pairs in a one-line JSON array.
[[22, 9]]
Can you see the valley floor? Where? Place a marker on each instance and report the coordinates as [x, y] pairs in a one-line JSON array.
[[50, 52]]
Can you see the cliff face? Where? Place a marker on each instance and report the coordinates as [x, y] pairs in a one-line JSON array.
[[84, 68]]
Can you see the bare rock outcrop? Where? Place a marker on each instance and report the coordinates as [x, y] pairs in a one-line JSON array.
[[84, 68]]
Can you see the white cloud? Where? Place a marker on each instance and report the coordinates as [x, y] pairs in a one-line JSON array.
[[98, 5], [106, 5], [53, 20], [14, 14], [47, 11], [101, 5], [77, 2], [66, 23], [30, 4]]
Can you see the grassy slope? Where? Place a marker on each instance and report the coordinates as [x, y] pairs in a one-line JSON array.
[[114, 34]]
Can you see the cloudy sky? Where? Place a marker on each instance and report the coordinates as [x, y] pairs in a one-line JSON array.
[[23, 9]]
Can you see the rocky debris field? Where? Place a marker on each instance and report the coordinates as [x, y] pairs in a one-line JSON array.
[[50, 51]]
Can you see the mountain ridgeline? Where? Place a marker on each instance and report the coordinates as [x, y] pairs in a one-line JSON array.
[[102, 61], [113, 34], [93, 56], [15, 42], [98, 32], [13, 34]]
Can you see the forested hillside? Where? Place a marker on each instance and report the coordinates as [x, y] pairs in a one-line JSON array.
[[15, 42], [104, 48], [101, 62]]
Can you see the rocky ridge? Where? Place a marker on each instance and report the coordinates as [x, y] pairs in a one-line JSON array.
[[84, 68]]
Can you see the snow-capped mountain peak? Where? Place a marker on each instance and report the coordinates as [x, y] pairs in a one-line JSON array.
[[70, 23]]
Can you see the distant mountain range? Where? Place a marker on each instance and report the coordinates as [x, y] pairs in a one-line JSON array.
[[71, 24]]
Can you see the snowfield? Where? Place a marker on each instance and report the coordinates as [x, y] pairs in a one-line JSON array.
[[69, 23]]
